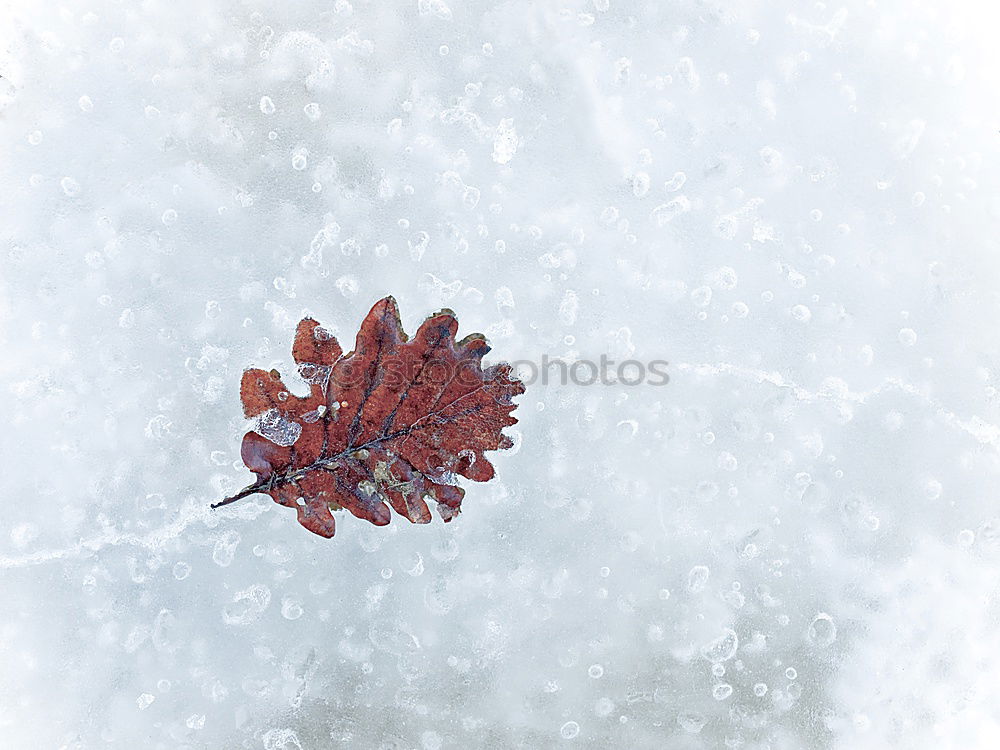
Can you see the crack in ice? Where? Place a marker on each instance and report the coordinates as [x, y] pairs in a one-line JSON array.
[[152, 541], [835, 389]]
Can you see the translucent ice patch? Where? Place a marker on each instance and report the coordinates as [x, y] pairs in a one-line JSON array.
[[278, 428]]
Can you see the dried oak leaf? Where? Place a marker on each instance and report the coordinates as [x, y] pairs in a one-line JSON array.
[[393, 421]]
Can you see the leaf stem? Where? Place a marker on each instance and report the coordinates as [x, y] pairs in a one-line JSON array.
[[253, 489], [324, 464]]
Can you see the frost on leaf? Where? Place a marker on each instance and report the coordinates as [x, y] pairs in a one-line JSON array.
[[390, 424]]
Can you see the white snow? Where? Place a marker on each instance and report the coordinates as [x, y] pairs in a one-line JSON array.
[[793, 543]]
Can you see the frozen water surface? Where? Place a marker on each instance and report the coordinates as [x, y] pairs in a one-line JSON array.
[[793, 543]]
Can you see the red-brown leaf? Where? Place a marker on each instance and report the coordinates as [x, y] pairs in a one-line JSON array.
[[389, 424]]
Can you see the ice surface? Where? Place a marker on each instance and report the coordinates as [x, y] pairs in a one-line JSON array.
[[794, 543]]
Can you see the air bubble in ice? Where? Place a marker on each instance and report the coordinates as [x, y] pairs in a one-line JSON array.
[[470, 197], [312, 111], [247, 605], [933, 489], [604, 706], [726, 227], [281, 739], [722, 648], [815, 496], [436, 8], [165, 636], [722, 691], [697, 579], [348, 286], [801, 313], [687, 72], [822, 630], [224, 550], [725, 278], [314, 375], [266, 105], [771, 158], [691, 722], [291, 608], [418, 245], [569, 730], [702, 296], [568, 307], [640, 184], [504, 297], [667, 212], [676, 182], [195, 721]]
